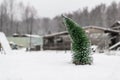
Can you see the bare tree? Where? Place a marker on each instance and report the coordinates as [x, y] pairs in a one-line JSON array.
[[28, 17], [11, 14], [3, 17], [45, 24], [112, 14]]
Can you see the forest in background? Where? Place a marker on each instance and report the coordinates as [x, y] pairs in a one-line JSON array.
[[21, 19]]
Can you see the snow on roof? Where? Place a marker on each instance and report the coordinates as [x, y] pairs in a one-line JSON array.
[[34, 36], [55, 34], [102, 28], [86, 27], [116, 23]]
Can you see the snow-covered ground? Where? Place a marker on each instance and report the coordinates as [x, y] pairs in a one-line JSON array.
[[56, 65]]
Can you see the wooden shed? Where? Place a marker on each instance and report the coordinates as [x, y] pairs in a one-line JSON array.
[[57, 41], [115, 37], [99, 36]]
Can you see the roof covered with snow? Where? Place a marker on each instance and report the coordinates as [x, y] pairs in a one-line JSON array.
[[102, 28], [116, 23], [86, 27]]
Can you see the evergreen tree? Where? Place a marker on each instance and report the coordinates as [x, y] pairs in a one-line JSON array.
[[80, 43]]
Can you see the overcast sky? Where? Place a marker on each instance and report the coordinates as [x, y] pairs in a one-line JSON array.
[[51, 8]]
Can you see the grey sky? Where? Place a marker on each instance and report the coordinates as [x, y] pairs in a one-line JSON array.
[[51, 8]]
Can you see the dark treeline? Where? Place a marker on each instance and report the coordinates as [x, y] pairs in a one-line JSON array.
[[21, 19]]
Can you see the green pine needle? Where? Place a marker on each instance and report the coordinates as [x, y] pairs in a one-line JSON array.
[[80, 42]]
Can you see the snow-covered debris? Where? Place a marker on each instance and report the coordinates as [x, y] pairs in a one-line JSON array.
[[94, 48], [115, 45], [4, 43]]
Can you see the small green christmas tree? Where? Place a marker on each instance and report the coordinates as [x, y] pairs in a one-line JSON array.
[[80, 43]]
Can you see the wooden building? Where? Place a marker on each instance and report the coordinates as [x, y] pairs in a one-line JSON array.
[[102, 37], [32, 42], [57, 41], [115, 37]]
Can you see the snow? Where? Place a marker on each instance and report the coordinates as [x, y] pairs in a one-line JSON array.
[[57, 65], [34, 36], [5, 44]]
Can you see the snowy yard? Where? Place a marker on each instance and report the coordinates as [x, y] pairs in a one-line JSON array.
[[56, 65]]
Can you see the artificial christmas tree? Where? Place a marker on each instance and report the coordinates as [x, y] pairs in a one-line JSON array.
[[80, 43]]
